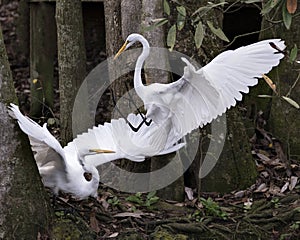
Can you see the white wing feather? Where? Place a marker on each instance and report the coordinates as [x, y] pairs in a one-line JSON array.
[[119, 137], [41, 139], [200, 96]]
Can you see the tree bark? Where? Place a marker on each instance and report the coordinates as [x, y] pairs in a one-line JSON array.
[[42, 55], [235, 167], [24, 207], [282, 118], [71, 61]]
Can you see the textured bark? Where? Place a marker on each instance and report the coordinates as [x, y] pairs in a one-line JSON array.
[[152, 10], [71, 61], [24, 209], [282, 118], [42, 56], [235, 168]]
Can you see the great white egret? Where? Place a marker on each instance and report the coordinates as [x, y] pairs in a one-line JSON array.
[[72, 169], [199, 96]]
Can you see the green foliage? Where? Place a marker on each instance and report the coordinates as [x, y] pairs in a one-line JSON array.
[[217, 31], [286, 17], [293, 54], [212, 208], [275, 202], [167, 7], [171, 38], [181, 17], [140, 200], [114, 201], [199, 35]]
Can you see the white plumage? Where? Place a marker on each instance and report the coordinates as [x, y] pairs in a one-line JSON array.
[[72, 169], [199, 96]]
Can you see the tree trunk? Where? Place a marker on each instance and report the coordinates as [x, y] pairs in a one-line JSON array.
[[71, 61], [234, 168], [282, 118], [42, 55], [24, 209]]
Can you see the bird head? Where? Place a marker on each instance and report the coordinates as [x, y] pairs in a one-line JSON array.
[[130, 40]]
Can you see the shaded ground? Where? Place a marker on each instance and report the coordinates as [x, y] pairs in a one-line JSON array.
[[269, 209]]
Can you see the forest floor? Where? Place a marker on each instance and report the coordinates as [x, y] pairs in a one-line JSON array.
[[269, 209]]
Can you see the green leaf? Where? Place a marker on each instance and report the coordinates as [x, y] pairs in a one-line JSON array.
[[199, 35], [291, 101], [181, 17], [181, 10], [134, 199], [269, 6], [167, 7], [151, 194], [217, 31], [157, 23], [151, 201], [294, 53], [203, 10], [171, 38], [286, 17]]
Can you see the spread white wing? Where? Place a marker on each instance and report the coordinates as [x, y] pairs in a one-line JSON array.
[[119, 137], [44, 145], [201, 95]]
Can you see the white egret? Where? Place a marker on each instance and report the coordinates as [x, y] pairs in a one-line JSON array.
[[199, 96], [72, 169]]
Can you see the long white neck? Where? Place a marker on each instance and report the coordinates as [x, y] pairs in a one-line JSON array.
[[138, 84]]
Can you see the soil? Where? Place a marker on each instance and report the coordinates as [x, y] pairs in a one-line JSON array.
[[269, 209]]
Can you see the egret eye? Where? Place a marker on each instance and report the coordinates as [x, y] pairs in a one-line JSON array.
[[88, 176]]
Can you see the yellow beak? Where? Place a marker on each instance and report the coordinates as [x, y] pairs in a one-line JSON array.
[[122, 49], [101, 151]]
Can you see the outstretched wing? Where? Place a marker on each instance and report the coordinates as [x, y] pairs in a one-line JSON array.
[[47, 150], [201, 95], [119, 137]]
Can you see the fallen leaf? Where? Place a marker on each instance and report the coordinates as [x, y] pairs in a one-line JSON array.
[[284, 187], [293, 182], [189, 193], [113, 235], [263, 157], [240, 194], [262, 188], [94, 222], [130, 214], [265, 174]]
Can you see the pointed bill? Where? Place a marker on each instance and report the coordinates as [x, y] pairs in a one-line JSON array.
[[101, 151], [122, 49]]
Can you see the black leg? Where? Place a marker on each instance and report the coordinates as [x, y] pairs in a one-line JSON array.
[[141, 114], [135, 129]]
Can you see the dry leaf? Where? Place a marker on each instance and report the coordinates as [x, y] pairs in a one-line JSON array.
[[291, 6], [113, 235], [94, 222], [189, 193], [263, 157], [261, 188], [284, 188], [293, 182], [270, 83], [130, 214], [265, 174], [240, 194]]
